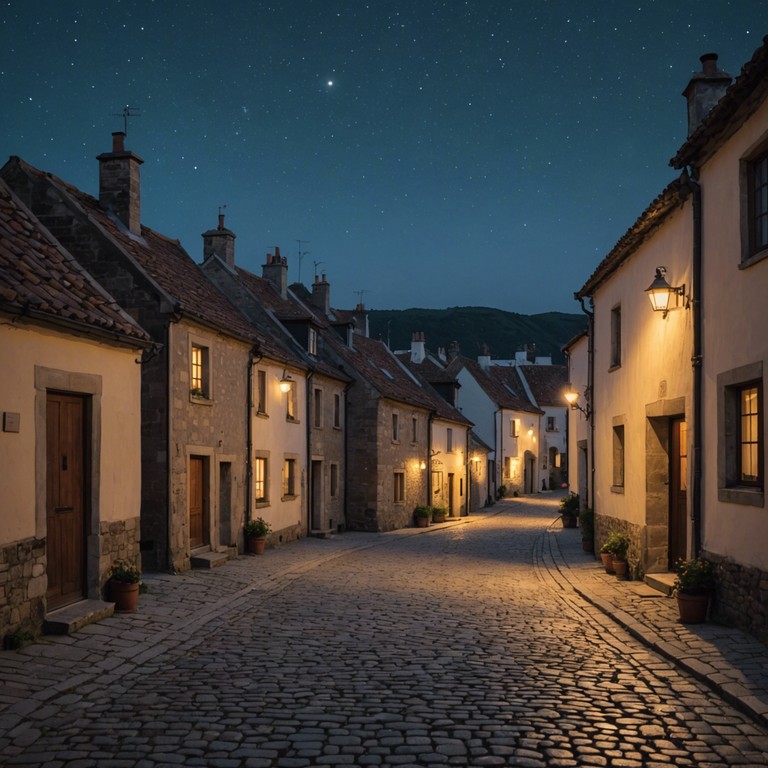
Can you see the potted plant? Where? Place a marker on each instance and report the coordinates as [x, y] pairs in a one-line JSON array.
[[123, 579], [618, 545], [587, 525], [422, 513], [256, 535], [439, 514], [694, 584], [569, 510]]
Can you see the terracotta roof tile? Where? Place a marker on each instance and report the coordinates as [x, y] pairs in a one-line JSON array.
[[41, 279]]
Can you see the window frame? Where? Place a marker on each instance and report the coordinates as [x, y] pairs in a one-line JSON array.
[[398, 487], [615, 361], [289, 478], [619, 457], [259, 460], [200, 380], [337, 411], [317, 406], [752, 249], [261, 392], [395, 427]]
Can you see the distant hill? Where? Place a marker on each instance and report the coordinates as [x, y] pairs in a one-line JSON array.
[[504, 332]]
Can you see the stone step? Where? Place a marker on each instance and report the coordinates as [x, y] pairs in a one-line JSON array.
[[209, 559], [663, 582], [70, 618], [318, 533]]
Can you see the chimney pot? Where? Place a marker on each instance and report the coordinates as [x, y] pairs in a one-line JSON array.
[[118, 141], [221, 221]]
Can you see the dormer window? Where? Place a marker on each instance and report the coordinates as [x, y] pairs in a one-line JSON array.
[[312, 342]]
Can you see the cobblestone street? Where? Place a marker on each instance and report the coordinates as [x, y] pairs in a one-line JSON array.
[[459, 646]]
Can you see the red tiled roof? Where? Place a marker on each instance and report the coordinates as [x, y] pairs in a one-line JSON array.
[[547, 382], [41, 279], [163, 260]]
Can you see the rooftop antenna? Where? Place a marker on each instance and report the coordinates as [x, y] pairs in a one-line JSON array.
[[360, 294], [302, 254], [317, 264], [127, 112]]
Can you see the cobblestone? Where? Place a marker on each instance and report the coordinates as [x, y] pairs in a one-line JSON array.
[[494, 640]]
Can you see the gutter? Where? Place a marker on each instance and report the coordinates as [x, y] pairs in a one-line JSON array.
[[591, 401]]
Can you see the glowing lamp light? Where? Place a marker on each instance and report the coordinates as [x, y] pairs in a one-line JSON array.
[[660, 292], [286, 382]]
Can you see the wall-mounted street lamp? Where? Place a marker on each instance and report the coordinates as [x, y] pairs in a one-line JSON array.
[[286, 382], [660, 293], [572, 398]]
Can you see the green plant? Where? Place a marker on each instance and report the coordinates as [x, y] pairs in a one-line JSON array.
[[423, 511], [695, 576], [124, 572], [569, 505], [501, 492], [255, 529], [587, 523], [617, 544], [439, 512]]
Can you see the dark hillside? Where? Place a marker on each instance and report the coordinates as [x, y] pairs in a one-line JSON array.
[[504, 332]]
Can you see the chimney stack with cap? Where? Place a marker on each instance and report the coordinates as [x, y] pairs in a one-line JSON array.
[[321, 295], [704, 90], [220, 242], [418, 348], [119, 184], [276, 271]]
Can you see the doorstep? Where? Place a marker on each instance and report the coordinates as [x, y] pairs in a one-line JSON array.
[[209, 559], [70, 618], [663, 582]]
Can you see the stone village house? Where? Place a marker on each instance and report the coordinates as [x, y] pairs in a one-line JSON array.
[[676, 398], [70, 444]]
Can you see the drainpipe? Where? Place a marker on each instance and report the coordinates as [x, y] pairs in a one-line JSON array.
[[428, 483], [696, 358], [590, 396], [310, 483]]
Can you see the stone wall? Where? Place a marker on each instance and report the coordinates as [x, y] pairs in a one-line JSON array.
[[605, 525], [23, 584], [119, 540], [741, 599]]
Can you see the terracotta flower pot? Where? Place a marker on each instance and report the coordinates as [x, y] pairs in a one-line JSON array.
[[256, 544], [569, 521], [620, 567], [422, 522], [125, 595], [693, 607], [607, 559]]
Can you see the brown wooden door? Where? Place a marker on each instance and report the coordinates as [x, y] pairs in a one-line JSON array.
[[678, 474], [198, 502], [65, 498]]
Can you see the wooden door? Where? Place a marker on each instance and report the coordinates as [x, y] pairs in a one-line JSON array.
[[65, 498], [450, 494], [678, 478], [316, 496], [198, 502]]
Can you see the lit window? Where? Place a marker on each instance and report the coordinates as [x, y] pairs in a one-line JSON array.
[[514, 427], [290, 403], [198, 374], [618, 456], [260, 479], [750, 448]]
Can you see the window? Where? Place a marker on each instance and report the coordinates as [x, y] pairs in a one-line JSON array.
[[334, 481], [399, 485], [514, 427], [318, 407], [337, 411], [449, 440], [758, 204], [290, 403], [414, 430], [616, 337], [261, 391], [749, 470], [551, 424], [289, 477], [312, 342], [395, 427], [199, 385], [618, 458], [740, 465], [260, 480]]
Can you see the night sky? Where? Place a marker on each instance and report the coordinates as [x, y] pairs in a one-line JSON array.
[[429, 153]]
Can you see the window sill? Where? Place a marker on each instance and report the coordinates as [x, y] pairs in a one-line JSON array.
[[614, 367], [755, 258], [200, 400], [292, 420], [750, 497], [261, 504], [288, 497], [617, 489]]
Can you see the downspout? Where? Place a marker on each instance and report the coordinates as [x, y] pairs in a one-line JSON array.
[[696, 358], [428, 483], [310, 483], [497, 449], [590, 398], [174, 318]]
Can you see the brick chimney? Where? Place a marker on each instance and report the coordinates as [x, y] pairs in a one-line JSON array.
[[453, 350], [321, 295], [704, 90], [276, 271], [484, 360], [119, 186], [220, 242], [418, 348]]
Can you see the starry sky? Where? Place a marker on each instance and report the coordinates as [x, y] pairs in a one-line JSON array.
[[421, 153]]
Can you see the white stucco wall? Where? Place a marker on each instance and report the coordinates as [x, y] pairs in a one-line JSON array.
[[655, 362], [578, 426], [22, 347], [735, 310], [445, 462]]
